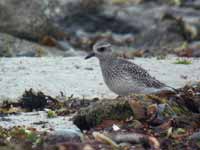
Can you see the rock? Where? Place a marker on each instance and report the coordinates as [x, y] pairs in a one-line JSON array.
[[11, 46], [14, 47], [151, 31], [188, 21], [134, 138], [154, 109], [63, 45], [181, 3], [164, 36], [81, 23], [37, 18], [24, 19], [195, 136], [194, 4], [64, 135], [105, 109], [174, 26], [141, 22]]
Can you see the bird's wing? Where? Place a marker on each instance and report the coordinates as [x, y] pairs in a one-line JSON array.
[[140, 74]]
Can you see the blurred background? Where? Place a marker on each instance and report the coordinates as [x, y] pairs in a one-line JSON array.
[[42, 84], [141, 28]]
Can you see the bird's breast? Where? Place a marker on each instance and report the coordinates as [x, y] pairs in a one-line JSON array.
[[120, 83]]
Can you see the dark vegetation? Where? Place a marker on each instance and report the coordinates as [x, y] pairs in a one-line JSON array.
[[160, 121]]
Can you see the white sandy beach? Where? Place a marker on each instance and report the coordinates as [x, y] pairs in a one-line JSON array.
[[74, 75]]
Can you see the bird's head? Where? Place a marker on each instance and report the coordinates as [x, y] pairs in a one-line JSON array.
[[101, 49]]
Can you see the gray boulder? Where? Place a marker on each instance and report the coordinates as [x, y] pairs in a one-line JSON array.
[[24, 18], [34, 18], [11, 46]]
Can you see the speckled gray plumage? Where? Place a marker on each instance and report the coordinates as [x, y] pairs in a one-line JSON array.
[[124, 77]]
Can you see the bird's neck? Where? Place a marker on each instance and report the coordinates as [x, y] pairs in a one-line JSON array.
[[106, 61], [106, 58]]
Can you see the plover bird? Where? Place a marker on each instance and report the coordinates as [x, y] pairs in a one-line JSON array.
[[122, 76]]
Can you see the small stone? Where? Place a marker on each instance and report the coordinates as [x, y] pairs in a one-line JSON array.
[[195, 136], [115, 127], [64, 135], [88, 147]]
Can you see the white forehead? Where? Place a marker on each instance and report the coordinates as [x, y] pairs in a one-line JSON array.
[[101, 44]]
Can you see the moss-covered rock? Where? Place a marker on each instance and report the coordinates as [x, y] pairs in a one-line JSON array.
[[154, 109], [104, 109]]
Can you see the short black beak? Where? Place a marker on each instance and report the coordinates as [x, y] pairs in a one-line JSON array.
[[90, 55]]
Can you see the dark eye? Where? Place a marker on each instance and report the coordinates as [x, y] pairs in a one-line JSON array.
[[102, 49]]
